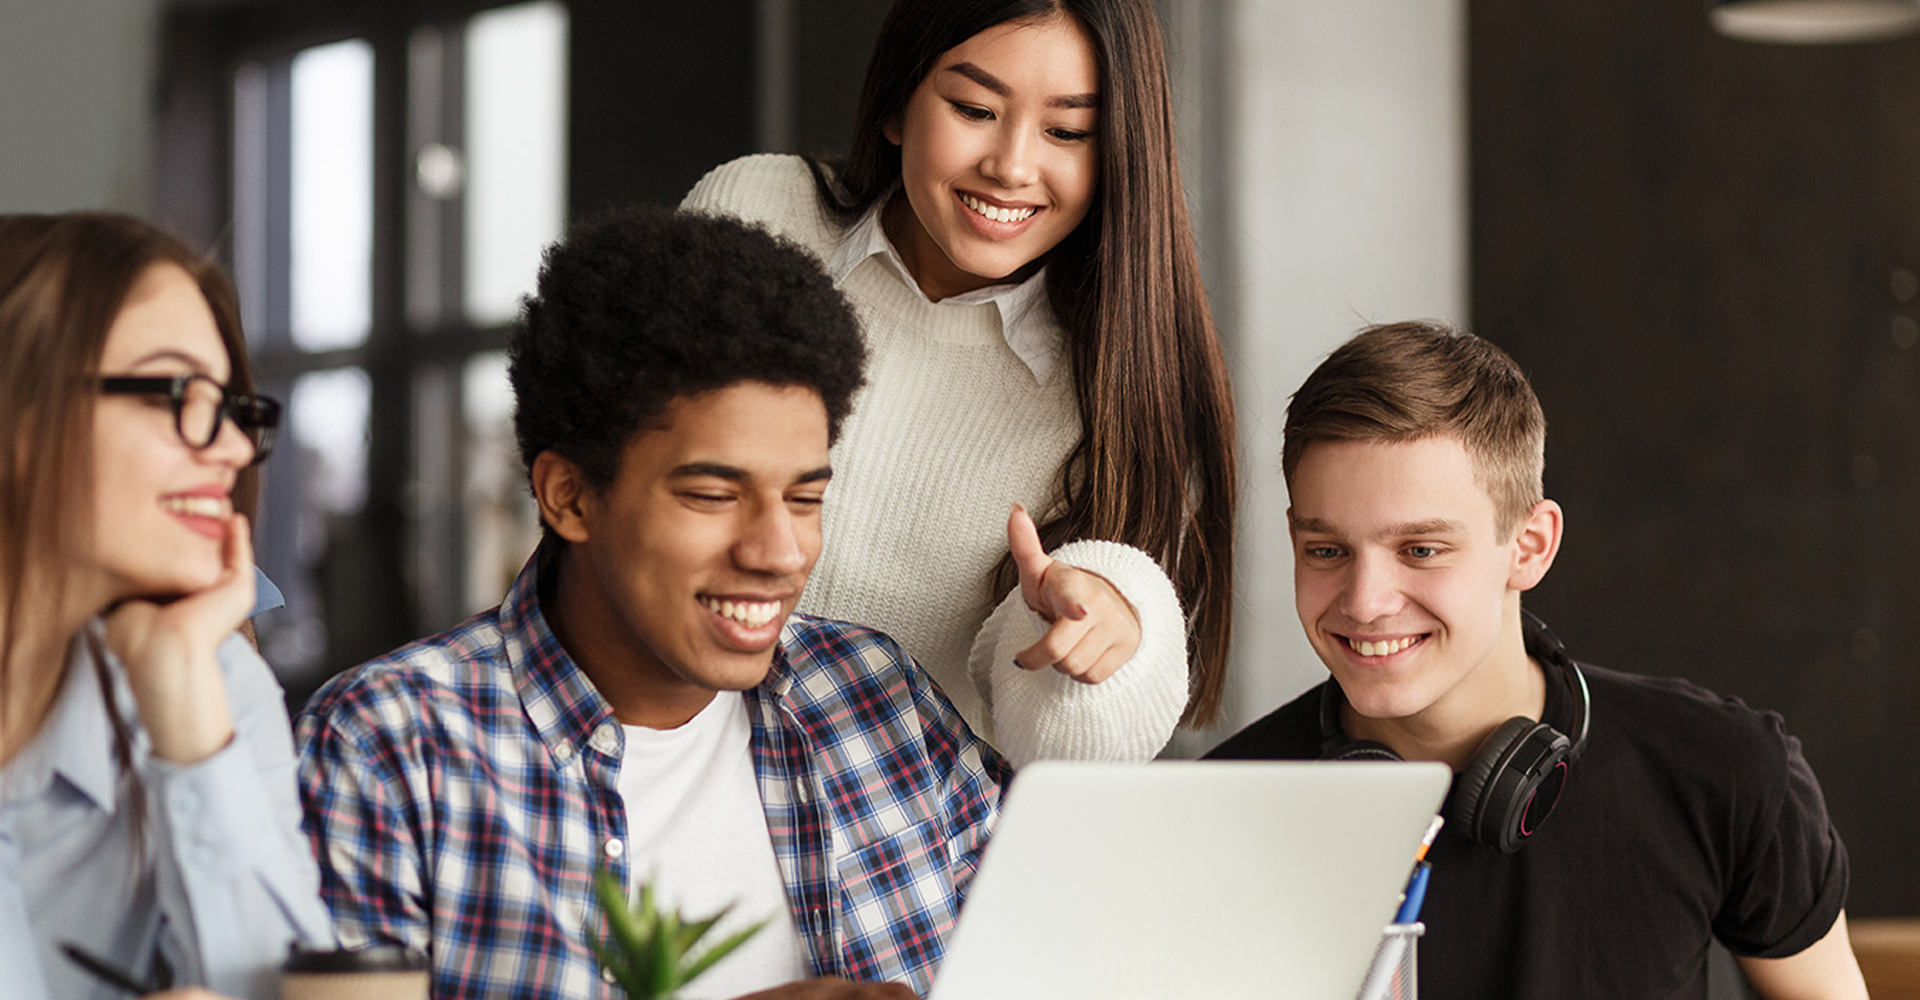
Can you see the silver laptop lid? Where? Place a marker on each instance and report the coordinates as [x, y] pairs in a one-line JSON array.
[[1211, 881]]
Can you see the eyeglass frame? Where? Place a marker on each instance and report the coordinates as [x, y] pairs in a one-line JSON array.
[[249, 411]]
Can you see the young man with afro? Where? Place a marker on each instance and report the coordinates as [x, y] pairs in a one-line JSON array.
[[645, 701]]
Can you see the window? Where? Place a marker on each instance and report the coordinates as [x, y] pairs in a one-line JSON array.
[[378, 285], [432, 138]]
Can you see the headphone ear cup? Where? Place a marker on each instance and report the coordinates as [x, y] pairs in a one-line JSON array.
[[1470, 814]]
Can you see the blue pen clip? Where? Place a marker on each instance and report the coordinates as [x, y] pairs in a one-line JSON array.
[[1416, 894]]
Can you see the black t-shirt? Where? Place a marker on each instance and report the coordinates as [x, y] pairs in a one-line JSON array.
[[1689, 816]]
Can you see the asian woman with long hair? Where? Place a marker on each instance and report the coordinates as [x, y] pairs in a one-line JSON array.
[[148, 814], [1011, 227]]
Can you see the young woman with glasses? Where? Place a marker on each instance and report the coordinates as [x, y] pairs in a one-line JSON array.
[[1010, 225], [149, 825]]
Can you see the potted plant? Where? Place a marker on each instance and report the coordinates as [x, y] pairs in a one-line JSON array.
[[650, 950]]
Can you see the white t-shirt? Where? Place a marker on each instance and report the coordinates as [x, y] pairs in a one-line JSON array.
[[696, 830]]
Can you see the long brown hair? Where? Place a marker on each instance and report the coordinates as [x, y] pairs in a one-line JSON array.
[[63, 280], [1155, 465]]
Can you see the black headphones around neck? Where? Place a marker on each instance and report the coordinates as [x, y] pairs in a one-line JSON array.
[[1519, 771]]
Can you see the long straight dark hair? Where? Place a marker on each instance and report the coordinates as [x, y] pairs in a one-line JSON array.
[[1155, 466], [63, 280]]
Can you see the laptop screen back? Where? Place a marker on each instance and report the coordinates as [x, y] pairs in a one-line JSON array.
[[1211, 881]]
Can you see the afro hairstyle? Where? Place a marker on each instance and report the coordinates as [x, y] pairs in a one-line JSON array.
[[640, 306]]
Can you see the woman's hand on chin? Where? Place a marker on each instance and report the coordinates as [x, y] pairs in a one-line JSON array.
[[1091, 629], [168, 650]]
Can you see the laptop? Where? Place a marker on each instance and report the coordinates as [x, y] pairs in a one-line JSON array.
[[1176, 880]]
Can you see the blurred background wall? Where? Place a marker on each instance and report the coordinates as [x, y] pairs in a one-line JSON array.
[[1703, 250], [77, 78]]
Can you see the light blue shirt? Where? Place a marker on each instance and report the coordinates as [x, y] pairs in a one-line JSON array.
[[218, 882], [266, 596]]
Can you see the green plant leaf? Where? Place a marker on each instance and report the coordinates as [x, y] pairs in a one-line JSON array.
[[647, 914], [662, 962], [648, 948], [690, 934], [721, 950], [630, 934], [623, 973]]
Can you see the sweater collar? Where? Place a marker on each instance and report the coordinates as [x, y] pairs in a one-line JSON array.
[[1025, 319]]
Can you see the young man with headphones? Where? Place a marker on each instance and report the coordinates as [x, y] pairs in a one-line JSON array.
[[1414, 458]]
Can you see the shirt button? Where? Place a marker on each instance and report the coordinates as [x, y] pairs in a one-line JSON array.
[[606, 975], [806, 792], [615, 848]]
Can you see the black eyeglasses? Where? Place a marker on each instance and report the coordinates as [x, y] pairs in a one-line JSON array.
[[200, 405]]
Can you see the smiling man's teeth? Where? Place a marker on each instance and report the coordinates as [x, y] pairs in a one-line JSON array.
[[752, 614], [1385, 647], [215, 507], [995, 212]]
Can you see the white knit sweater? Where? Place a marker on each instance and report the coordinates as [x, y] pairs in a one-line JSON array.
[[951, 430]]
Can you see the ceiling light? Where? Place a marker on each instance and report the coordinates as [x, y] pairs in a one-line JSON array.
[[1814, 22]]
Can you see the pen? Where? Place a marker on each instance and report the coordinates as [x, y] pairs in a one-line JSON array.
[[1409, 904], [1415, 895], [103, 970], [1386, 961]]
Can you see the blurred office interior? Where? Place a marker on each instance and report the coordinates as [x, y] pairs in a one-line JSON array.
[[1703, 249]]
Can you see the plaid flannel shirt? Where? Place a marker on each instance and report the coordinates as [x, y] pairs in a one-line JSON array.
[[460, 792]]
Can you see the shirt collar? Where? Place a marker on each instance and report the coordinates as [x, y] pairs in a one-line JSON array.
[[77, 741], [1025, 320], [561, 701]]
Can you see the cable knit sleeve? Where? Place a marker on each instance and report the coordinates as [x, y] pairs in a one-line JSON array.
[[1046, 715]]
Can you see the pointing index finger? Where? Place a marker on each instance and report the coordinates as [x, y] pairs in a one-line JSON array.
[[1023, 540]]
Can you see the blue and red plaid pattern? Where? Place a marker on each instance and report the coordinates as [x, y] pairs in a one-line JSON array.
[[461, 790]]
